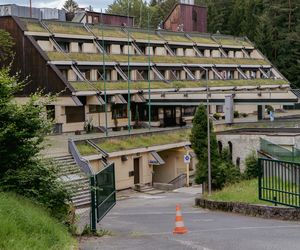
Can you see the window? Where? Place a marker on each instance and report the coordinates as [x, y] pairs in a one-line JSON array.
[[154, 114], [189, 111], [219, 108], [119, 111], [80, 45], [96, 108], [75, 114]]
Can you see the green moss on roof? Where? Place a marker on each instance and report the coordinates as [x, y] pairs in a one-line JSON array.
[[93, 57], [96, 57], [108, 32], [232, 41], [202, 40], [144, 36], [146, 140], [34, 26], [176, 38], [82, 86], [67, 28]]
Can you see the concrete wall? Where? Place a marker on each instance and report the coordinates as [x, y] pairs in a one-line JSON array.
[[45, 45], [244, 144]]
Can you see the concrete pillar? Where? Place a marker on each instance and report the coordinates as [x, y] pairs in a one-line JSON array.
[[147, 50], [125, 50], [258, 74], [151, 75], [189, 52], [167, 74], [93, 75], [239, 54], [115, 49], [71, 75], [248, 73], [133, 75], [206, 53], [231, 54], [74, 47], [179, 52], [114, 75], [182, 75], [160, 51], [216, 53], [89, 48], [198, 74], [236, 75], [210, 75]]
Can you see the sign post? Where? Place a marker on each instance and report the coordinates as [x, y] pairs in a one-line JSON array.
[[187, 160]]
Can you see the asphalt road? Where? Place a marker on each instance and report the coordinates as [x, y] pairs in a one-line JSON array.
[[146, 222]]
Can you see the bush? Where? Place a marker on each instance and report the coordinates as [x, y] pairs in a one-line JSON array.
[[236, 114], [251, 170], [39, 183], [244, 115], [217, 116]]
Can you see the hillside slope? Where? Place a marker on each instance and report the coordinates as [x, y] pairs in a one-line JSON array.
[[24, 225]]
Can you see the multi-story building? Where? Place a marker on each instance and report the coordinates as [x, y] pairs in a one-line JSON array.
[[109, 75]]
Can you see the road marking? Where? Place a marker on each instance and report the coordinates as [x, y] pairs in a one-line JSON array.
[[230, 228], [191, 244]]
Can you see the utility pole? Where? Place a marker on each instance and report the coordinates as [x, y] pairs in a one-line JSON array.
[[30, 9], [208, 132]]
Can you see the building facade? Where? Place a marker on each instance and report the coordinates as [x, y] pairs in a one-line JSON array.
[[109, 76]]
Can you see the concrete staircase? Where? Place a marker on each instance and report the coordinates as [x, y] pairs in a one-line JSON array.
[[147, 189], [74, 180]]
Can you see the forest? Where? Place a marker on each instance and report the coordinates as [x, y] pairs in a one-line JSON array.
[[272, 25]]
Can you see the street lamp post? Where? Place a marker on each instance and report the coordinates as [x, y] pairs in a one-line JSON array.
[[208, 131]]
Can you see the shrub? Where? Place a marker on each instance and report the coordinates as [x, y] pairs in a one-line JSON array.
[[269, 108], [39, 182], [244, 115], [236, 114], [251, 170], [217, 116]]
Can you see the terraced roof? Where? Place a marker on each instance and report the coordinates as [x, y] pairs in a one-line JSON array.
[[123, 85], [94, 57]]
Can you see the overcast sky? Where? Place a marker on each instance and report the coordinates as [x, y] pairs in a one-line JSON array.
[[96, 4]]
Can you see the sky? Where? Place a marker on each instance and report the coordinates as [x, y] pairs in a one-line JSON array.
[[96, 4]]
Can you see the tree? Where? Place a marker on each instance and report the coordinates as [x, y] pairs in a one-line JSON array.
[[70, 6], [198, 140], [6, 44], [222, 169], [22, 131], [136, 8]]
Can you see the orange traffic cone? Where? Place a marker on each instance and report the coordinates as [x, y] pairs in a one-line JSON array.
[[179, 225]]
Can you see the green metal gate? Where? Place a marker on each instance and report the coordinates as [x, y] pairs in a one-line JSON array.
[[279, 182], [103, 194]]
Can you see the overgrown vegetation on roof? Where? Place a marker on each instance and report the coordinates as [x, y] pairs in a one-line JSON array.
[[202, 40], [68, 28], [176, 38], [144, 35], [232, 41], [139, 141], [34, 27], [108, 32], [82, 86]]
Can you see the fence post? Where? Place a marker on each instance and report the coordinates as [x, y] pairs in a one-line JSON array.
[[93, 204], [259, 177]]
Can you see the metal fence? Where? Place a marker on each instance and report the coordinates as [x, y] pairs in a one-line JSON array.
[[103, 194], [279, 182], [279, 152]]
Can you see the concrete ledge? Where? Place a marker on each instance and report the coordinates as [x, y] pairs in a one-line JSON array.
[[268, 212], [163, 186]]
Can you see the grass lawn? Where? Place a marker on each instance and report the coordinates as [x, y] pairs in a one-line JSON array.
[[245, 191], [67, 28], [24, 225]]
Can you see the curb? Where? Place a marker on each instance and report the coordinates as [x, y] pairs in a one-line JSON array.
[[263, 211]]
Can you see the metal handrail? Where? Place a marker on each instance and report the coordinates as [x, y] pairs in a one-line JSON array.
[[81, 162]]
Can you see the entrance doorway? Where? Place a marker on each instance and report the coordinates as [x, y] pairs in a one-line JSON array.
[[136, 169], [169, 116]]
